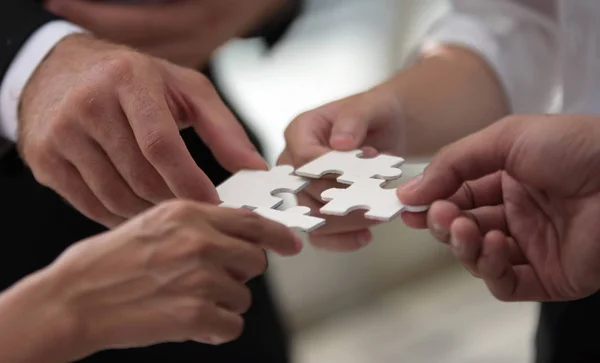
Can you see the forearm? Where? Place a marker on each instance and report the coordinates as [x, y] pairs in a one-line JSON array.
[[34, 327], [446, 96]]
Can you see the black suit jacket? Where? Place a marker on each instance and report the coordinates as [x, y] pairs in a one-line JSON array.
[[37, 225]]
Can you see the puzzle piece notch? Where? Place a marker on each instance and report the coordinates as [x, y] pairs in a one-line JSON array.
[[352, 167], [381, 204], [296, 217], [255, 188]]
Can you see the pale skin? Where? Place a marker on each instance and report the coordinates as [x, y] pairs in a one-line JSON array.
[[99, 123], [518, 203], [450, 90], [185, 32], [174, 273]]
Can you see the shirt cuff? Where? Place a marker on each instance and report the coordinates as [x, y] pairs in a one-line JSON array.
[[22, 67]]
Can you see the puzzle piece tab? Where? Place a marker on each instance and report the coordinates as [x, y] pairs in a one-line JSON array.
[[295, 217], [382, 204], [352, 167], [255, 188]]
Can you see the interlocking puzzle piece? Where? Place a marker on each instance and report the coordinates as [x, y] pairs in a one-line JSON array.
[[382, 204], [295, 217], [255, 188], [352, 167]]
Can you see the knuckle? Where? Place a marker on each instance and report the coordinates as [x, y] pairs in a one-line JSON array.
[[198, 311], [259, 263], [231, 331], [291, 130], [205, 248], [204, 280], [155, 145], [121, 66], [189, 240], [60, 128], [204, 84], [245, 300], [148, 188], [176, 210], [251, 221], [237, 328], [97, 212]]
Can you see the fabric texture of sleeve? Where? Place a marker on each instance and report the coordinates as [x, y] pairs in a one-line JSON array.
[[518, 39]]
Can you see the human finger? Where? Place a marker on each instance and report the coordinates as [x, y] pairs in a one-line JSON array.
[[118, 142], [216, 325], [70, 185], [249, 226], [485, 152], [157, 135], [215, 285], [217, 126], [103, 180], [505, 281]]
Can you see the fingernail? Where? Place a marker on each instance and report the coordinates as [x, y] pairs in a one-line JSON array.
[[413, 183], [456, 245], [437, 229], [343, 136]]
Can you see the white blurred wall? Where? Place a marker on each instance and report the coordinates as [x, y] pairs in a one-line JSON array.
[[338, 48]]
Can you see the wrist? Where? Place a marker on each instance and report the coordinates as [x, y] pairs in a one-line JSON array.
[[450, 89], [36, 323]]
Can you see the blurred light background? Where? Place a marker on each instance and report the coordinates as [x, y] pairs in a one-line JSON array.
[[401, 299]]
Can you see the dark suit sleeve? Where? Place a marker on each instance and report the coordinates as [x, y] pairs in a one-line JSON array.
[[18, 20]]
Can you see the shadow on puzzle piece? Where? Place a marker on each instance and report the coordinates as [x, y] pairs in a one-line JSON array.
[[352, 167], [295, 217], [382, 204], [255, 189]]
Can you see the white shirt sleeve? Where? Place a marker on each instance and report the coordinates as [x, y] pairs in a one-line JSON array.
[[517, 38], [22, 67]]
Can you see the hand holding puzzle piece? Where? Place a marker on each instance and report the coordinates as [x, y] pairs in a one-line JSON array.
[[254, 189]]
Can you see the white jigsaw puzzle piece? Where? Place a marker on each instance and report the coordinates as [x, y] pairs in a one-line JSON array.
[[255, 188], [352, 167], [295, 217], [382, 204]]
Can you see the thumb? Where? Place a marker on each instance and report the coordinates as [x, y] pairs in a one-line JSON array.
[[349, 131], [471, 158]]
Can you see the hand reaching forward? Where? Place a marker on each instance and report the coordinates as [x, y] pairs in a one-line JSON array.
[[518, 203], [372, 121], [172, 274], [99, 124]]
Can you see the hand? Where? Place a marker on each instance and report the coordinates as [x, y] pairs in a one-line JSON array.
[[100, 124], [173, 274], [518, 203], [184, 32], [372, 121]]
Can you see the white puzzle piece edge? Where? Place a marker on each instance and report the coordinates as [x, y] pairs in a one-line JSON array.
[[255, 188], [295, 217], [381, 204], [352, 167]]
